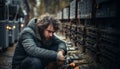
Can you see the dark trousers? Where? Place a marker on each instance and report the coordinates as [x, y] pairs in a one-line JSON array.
[[32, 63]]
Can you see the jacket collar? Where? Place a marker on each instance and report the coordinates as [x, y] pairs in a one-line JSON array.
[[32, 24]]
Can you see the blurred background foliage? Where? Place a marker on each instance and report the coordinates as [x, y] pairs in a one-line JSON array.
[[39, 7]]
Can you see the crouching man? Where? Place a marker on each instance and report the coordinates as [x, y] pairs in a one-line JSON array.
[[37, 45]]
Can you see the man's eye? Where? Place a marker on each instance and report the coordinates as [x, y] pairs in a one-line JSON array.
[[49, 31]]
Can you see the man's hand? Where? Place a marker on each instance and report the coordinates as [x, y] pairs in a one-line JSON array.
[[61, 58]]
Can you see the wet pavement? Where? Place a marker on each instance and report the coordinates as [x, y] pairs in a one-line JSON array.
[[6, 58]]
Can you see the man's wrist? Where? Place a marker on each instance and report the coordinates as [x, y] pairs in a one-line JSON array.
[[61, 50]]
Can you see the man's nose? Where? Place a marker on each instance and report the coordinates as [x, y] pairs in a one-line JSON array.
[[50, 34]]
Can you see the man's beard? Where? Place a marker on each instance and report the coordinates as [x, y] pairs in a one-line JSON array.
[[47, 42]]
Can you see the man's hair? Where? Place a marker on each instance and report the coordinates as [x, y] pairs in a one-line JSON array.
[[45, 20]]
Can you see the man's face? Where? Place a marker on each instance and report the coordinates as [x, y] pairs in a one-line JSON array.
[[48, 32]]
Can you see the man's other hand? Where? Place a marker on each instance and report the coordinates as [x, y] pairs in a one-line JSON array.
[[61, 57]]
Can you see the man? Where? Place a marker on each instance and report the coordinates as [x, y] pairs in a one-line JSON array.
[[37, 46]]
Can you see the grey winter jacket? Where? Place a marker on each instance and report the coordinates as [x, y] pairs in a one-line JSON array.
[[29, 45]]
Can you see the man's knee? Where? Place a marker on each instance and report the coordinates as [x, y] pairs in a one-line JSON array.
[[31, 63], [35, 61]]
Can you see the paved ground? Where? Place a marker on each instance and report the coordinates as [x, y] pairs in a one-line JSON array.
[[6, 58]]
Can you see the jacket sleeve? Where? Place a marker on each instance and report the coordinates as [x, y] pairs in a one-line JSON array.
[[61, 44], [33, 50]]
